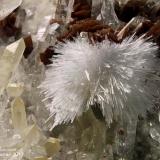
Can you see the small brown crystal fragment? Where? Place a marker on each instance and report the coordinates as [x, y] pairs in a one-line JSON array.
[[87, 25], [131, 9], [155, 32], [29, 46], [7, 26], [100, 35], [47, 55], [121, 131], [143, 27], [59, 21], [81, 10]]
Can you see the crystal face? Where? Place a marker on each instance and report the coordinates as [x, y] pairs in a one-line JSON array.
[[8, 6], [79, 80], [18, 115], [9, 61]]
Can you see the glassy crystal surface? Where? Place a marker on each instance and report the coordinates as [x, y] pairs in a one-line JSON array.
[[9, 61], [19, 119], [8, 6], [105, 10], [25, 120]]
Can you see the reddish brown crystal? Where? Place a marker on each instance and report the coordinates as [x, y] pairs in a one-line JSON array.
[[97, 31], [7, 26], [81, 10], [47, 55], [29, 46], [131, 9], [154, 32]]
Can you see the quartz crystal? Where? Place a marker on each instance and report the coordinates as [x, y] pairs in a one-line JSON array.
[[106, 11], [38, 11], [15, 90], [25, 121], [9, 62], [52, 146], [8, 6], [19, 119]]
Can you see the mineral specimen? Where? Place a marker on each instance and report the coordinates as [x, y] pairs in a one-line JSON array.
[[9, 62], [102, 70]]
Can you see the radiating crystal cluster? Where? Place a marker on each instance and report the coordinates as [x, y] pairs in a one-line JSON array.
[[103, 76]]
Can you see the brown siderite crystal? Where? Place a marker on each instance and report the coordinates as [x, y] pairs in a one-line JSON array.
[[143, 27], [87, 25], [81, 10], [137, 25], [129, 10], [59, 21], [136, 13], [132, 8], [154, 32], [8, 27], [47, 55], [29, 46], [121, 131]]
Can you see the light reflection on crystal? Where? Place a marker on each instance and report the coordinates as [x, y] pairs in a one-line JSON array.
[[9, 61], [88, 138]]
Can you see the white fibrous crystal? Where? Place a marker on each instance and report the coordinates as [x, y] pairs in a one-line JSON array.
[[9, 61], [106, 73], [99, 86], [8, 7]]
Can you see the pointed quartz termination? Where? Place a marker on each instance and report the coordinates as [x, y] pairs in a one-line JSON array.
[[104, 10], [19, 119], [8, 6], [52, 146], [9, 61], [15, 89], [32, 135]]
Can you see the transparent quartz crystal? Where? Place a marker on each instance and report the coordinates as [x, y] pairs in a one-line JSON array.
[[37, 11], [104, 10], [24, 135], [83, 140], [19, 119], [9, 62], [8, 6], [15, 90]]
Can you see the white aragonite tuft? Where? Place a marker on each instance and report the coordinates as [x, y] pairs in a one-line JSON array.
[[106, 73]]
